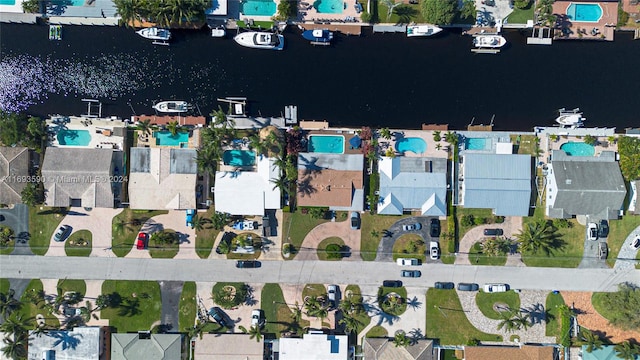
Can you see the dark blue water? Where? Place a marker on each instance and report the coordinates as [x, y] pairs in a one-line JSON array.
[[377, 80]]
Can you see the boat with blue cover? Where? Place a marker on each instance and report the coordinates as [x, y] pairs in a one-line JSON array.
[[318, 36]]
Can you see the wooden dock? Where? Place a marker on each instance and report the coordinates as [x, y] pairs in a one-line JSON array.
[[344, 28]]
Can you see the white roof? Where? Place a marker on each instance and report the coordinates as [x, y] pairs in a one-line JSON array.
[[504, 148], [315, 347], [248, 192]]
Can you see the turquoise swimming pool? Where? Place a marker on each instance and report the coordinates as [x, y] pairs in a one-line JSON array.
[[164, 138], [329, 6], [573, 148], [239, 157], [584, 12], [74, 137], [413, 144], [328, 144], [7, 2], [258, 7], [476, 144]]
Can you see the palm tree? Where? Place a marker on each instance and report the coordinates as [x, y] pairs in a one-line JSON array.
[[255, 333], [522, 320], [173, 127], [219, 220], [401, 339], [351, 324], [385, 133], [16, 324], [197, 223], [15, 348], [128, 10], [451, 138], [627, 350], [296, 313], [507, 321], [282, 184], [593, 341], [207, 158], [538, 237], [258, 145], [145, 126], [8, 304]]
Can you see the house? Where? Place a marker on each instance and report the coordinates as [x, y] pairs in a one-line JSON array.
[[228, 347], [314, 346], [384, 349], [525, 352], [501, 182], [145, 345], [413, 184], [162, 179], [584, 185], [14, 165], [78, 177], [81, 343], [248, 192], [331, 180]]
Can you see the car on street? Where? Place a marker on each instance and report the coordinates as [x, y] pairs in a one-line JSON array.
[[434, 250], [493, 232], [412, 227], [256, 318], [495, 288], [444, 285], [468, 287], [603, 251], [408, 262], [190, 214], [392, 283], [62, 233], [635, 243], [142, 240], [434, 228], [1, 217], [410, 273], [217, 315], [603, 229], [247, 264], [355, 220], [592, 231], [332, 290]]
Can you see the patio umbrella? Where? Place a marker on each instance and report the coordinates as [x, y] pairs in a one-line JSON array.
[[355, 142]]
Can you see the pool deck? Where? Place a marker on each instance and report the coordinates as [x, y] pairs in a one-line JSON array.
[[549, 145], [575, 30], [425, 135], [147, 140], [101, 131]]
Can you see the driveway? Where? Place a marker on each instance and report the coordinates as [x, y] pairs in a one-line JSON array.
[[170, 292], [590, 253], [18, 220], [240, 316], [385, 248], [174, 220], [340, 229], [627, 255], [511, 226]]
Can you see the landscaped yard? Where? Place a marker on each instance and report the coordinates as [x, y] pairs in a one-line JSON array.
[[363, 317], [618, 232], [373, 227], [528, 143], [314, 291], [334, 252], [188, 306], [476, 213], [409, 246], [30, 310], [488, 303], [552, 303], [5, 285], [405, 14], [392, 301], [278, 313], [296, 226], [376, 332], [164, 250], [228, 295], [141, 305], [66, 285], [478, 258], [206, 237], [447, 321], [43, 222], [520, 16], [126, 227], [245, 239], [79, 243]]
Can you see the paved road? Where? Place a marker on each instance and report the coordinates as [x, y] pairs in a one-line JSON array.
[[18, 220], [303, 272]]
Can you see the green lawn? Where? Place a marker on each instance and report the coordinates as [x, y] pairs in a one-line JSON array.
[[66, 285], [552, 303], [362, 316], [618, 232], [126, 226], [405, 14], [296, 226], [409, 246], [477, 213], [263, 24], [206, 237], [79, 244], [372, 232], [597, 299], [478, 258], [29, 310], [159, 250], [5, 285], [188, 306], [401, 291], [377, 331], [485, 302], [449, 354], [313, 291], [322, 246], [520, 16], [141, 305], [278, 312], [447, 321], [256, 242], [43, 222], [8, 249]]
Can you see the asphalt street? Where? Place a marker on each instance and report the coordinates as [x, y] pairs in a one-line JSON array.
[[304, 272]]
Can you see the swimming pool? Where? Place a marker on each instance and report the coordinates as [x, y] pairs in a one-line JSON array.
[[164, 138], [329, 6], [74, 137], [329, 144], [258, 7], [413, 144], [578, 149], [584, 12], [239, 157], [7, 2], [476, 144]]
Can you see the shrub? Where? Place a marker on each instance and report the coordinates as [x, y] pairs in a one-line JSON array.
[[334, 251], [467, 220], [437, 136], [365, 17], [561, 223], [498, 219], [479, 221], [590, 140], [623, 17], [521, 4]]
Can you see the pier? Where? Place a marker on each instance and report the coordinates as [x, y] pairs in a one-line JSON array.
[[485, 51], [541, 36]]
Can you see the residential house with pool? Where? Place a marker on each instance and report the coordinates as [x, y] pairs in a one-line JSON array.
[[14, 166], [586, 20]]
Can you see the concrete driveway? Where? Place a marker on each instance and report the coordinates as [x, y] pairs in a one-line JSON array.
[[174, 220], [511, 226], [240, 316], [340, 229], [170, 292], [18, 220], [385, 248], [627, 255]]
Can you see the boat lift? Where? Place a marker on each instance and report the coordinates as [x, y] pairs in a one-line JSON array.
[[55, 32], [90, 102], [237, 106]]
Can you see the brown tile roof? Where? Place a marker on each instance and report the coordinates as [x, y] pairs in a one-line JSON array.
[[525, 352], [166, 119], [328, 187]]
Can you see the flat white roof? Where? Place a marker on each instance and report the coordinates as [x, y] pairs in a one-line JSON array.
[[315, 347]]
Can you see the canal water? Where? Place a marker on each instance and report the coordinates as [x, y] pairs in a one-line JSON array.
[[375, 79]]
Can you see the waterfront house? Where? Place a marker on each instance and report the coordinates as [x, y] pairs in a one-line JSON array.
[[78, 177], [525, 352], [413, 184], [162, 178], [384, 349], [584, 185], [312, 346], [145, 345], [228, 347], [331, 180], [81, 342], [14, 166]]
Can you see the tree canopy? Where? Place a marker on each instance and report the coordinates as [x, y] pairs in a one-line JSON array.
[[623, 307], [629, 149], [439, 12]]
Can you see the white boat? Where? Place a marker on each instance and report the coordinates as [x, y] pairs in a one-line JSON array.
[[154, 33], [260, 40], [422, 30], [489, 41], [172, 106], [318, 36], [570, 118]]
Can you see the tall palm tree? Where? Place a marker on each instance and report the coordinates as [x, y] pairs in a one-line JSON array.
[[197, 223], [258, 144], [507, 321], [594, 342], [130, 11], [282, 184], [255, 333], [351, 324], [207, 159], [173, 127], [16, 324], [145, 126], [8, 304], [385, 133], [538, 237], [401, 339], [15, 347], [627, 350], [522, 320]]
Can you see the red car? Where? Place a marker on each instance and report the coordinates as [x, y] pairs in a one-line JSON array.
[[141, 243]]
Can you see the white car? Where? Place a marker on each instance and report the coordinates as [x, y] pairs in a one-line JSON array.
[[635, 244], [495, 288], [434, 250], [256, 318], [407, 262], [592, 231], [331, 294]]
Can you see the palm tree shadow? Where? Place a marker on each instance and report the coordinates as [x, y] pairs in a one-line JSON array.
[[68, 340], [305, 188], [405, 13], [414, 303]]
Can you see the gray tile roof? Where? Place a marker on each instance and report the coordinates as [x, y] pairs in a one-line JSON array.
[[14, 162], [152, 346]]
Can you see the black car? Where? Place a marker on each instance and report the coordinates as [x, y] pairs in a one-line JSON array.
[[603, 229], [444, 285], [226, 239], [411, 273], [217, 315], [247, 264], [468, 287], [434, 228], [392, 283], [493, 232]]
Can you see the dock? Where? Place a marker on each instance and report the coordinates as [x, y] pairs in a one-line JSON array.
[[389, 28], [636, 35], [344, 28], [55, 32], [485, 51], [541, 36]]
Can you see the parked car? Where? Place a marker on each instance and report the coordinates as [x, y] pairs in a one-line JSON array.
[[142, 240], [434, 250], [603, 251], [62, 233], [226, 239], [332, 290], [495, 288], [190, 214], [444, 285], [407, 262], [247, 264], [256, 318], [493, 232], [635, 244], [355, 220], [392, 283], [434, 228], [603, 229], [412, 227], [1, 217], [592, 231], [468, 287], [411, 273], [219, 317]]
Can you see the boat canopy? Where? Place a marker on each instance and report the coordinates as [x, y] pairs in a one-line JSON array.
[[317, 33]]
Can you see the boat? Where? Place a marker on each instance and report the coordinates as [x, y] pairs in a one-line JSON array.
[[318, 36], [570, 118], [422, 30], [172, 106], [218, 32], [55, 32], [489, 41], [260, 40], [154, 33]]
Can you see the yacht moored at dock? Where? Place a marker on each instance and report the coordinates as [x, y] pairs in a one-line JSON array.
[[172, 106], [318, 36], [489, 41], [155, 34], [422, 30], [260, 40], [570, 118]]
